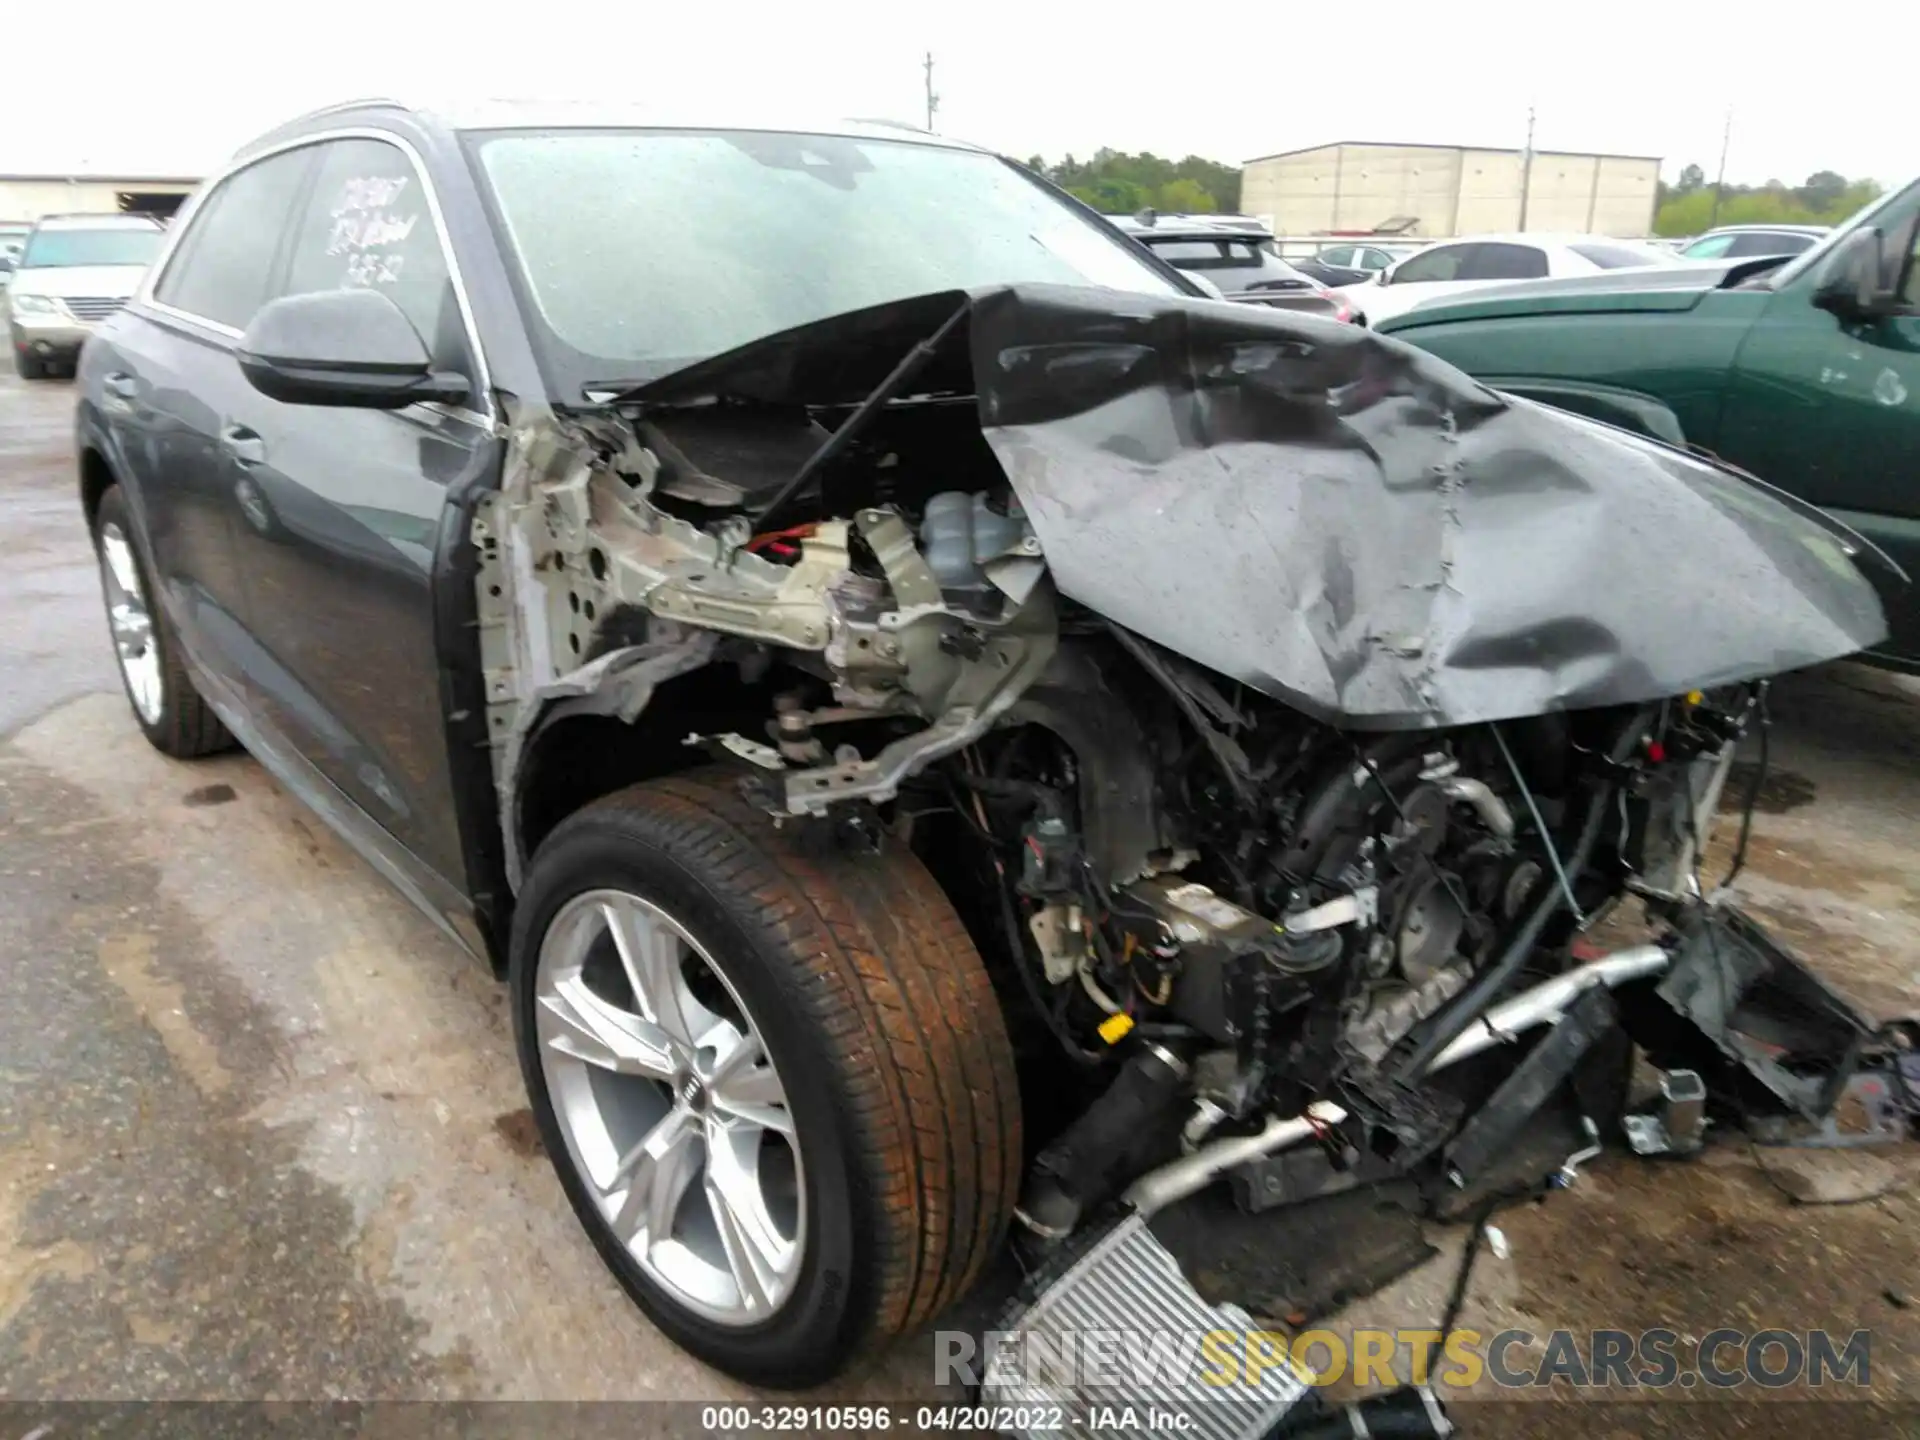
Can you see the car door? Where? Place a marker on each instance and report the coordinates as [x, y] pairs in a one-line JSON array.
[[1828, 407], [338, 513], [1432, 273], [167, 374]]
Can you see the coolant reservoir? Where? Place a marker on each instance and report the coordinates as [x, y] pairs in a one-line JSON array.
[[960, 533]]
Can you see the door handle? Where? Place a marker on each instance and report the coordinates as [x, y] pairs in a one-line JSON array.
[[243, 443], [122, 385]]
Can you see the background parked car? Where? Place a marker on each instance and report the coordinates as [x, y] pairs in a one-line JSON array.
[[13, 238], [1239, 261], [1744, 242], [1452, 266], [74, 271], [1352, 262]]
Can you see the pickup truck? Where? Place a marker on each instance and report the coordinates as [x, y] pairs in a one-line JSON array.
[[1803, 371]]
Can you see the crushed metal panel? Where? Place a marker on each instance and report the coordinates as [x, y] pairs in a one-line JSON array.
[[573, 539], [1362, 531], [1344, 522]]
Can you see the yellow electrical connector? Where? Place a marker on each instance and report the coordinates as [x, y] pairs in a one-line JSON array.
[[1694, 697], [1114, 1028]]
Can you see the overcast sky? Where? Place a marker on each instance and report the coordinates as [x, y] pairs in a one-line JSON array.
[[172, 86]]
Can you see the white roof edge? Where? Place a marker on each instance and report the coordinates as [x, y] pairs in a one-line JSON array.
[[569, 113]]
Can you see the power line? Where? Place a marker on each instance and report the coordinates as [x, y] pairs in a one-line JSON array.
[[1526, 172], [1720, 180]]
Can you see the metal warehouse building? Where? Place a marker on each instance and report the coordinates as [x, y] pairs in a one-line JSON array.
[[28, 197], [1449, 190]]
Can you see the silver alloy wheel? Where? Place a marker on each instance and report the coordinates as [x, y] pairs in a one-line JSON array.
[[672, 1110], [131, 621]]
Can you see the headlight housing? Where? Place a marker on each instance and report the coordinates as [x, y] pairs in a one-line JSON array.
[[34, 304]]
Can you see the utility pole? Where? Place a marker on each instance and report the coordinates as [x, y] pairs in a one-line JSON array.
[[933, 100], [1526, 171], [1720, 179]]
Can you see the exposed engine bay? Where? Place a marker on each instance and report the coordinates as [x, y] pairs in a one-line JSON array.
[[1257, 807]]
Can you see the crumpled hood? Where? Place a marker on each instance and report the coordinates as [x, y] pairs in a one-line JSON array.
[[1339, 520]]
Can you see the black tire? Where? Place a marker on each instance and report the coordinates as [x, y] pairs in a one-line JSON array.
[[877, 1011], [186, 727], [28, 366]]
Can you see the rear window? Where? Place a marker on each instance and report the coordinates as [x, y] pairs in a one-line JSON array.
[[57, 249], [1619, 257], [1231, 263], [1183, 252]]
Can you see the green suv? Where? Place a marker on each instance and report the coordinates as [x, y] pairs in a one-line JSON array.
[[1803, 371]]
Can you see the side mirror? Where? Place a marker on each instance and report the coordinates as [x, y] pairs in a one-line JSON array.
[[345, 348], [1862, 278], [6, 264]]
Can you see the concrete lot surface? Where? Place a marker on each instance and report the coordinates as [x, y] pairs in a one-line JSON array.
[[262, 1132]]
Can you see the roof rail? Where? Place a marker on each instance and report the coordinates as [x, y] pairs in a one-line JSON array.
[[906, 125], [366, 102], [363, 103]]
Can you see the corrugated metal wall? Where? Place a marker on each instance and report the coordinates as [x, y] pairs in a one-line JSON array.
[[1450, 191]]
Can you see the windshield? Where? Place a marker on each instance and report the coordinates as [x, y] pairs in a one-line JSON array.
[[49, 249], [1816, 255], [640, 252]]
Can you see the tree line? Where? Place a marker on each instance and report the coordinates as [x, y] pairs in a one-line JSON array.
[[1826, 198], [1116, 183]]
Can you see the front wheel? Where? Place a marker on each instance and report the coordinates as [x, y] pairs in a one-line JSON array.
[[772, 1076]]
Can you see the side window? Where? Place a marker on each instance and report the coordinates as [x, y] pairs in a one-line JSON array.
[[1745, 245], [224, 262], [1341, 255], [1712, 248], [367, 225], [1445, 262], [1496, 261]]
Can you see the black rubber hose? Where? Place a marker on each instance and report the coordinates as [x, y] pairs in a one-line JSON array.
[[1447, 1024], [1023, 967]]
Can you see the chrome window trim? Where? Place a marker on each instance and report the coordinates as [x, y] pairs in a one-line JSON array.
[[482, 381]]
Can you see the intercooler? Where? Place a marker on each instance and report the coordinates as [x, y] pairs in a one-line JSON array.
[[1158, 1372]]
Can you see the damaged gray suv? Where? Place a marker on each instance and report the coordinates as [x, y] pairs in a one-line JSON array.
[[945, 729]]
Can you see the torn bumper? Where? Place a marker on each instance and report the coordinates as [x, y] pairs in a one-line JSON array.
[[1718, 996]]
